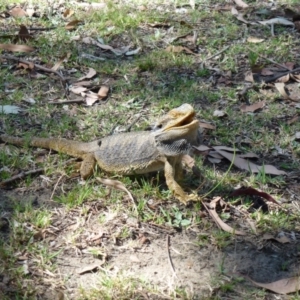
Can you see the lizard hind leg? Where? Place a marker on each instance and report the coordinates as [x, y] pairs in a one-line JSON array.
[[87, 165]]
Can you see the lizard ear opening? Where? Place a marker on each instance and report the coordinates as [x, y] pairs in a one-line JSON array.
[[99, 143]]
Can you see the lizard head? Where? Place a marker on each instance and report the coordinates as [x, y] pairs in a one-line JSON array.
[[179, 123]]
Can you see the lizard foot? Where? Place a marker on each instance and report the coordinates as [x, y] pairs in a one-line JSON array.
[[186, 198]]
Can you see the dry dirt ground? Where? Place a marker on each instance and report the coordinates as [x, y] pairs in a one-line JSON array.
[[147, 254]]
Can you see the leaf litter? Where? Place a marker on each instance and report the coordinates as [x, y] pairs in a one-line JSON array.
[[217, 154]]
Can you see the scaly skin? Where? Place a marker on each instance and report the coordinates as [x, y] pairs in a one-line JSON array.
[[133, 152]]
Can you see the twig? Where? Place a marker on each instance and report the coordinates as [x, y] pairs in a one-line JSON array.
[[56, 184], [23, 174], [269, 59], [20, 176], [282, 74], [169, 256], [216, 54], [66, 101], [128, 128], [39, 67]]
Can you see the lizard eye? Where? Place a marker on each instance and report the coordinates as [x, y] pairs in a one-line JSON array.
[[99, 143]]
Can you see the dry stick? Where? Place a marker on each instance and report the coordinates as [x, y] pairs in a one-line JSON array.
[[20, 176], [39, 67], [280, 75], [270, 60], [67, 101], [216, 54], [169, 256], [23, 174]]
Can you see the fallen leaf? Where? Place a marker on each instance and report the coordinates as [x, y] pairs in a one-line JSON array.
[[68, 13], [297, 135], [91, 98], [283, 239], [179, 49], [16, 48], [280, 86], [239, 16], [214, 160], [293, 120], [282, 286], [207, 125], [249, 155], [252, 39], [253, 107], [9, 109], [212, 212], [60, 61], [77, 89], [133, 52], [253, 192], [278, 20], [72, 24], [89, 268], [226, 148], [240, 3], [284, 78], [103, 92], [117, 185], [249, 76], [249, 166], [202, 148], [17, 12], [219, 113], [266, 72]]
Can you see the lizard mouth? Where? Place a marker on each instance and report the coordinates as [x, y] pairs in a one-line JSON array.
[[184, 122]]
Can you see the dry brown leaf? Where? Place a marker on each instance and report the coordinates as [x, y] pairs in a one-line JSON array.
[[103, 92], [266, 72], [90, 268], [117, 185], [289, 65], [253, 192], [16, 48], [179, 49], [296, 77], [293, 120], [77, 90], [83, 83], [210, 207], [240, 3], [91, 73], [214, 160], [283, 239], [239, 16], [284, 78], [253, 107], [202, 148], [249, 155], [226, 148], [280, 86], [207, 125], [249, 76], [60, 61], [219, 113], [282, 286], [255, 40], [17, 12], [68, 13], [249, 166], [91, 98], [72, 24]]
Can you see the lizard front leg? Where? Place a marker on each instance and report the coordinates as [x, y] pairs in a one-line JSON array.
[[87, 165], [170, 174]]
